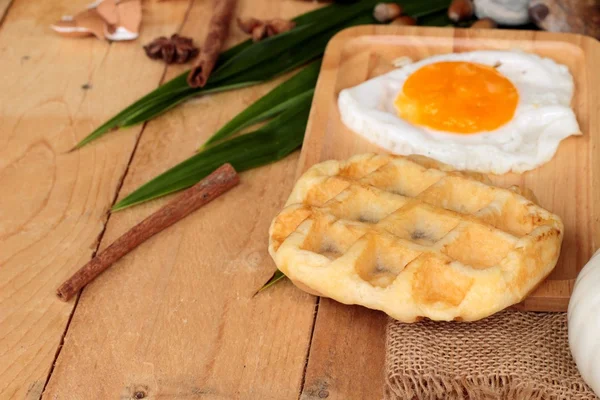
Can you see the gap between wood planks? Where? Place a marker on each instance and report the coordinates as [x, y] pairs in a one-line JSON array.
[[114, 200], [310, 339]]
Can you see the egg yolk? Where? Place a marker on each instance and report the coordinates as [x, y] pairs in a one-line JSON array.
[[459, 97]]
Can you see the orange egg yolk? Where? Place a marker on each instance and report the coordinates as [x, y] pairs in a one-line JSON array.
[[459, 97]]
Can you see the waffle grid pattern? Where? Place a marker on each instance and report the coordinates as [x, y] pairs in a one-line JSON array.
[[384, 219]]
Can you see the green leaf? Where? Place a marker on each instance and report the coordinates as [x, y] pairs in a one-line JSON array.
[[241, 65], [290, 103], [287, 95], [418, 9], [165, 101], [277, 276], [176, 90], [173, 89], [164, 104], [268, 144], [439, 18], [288, 61], [323, 14], [270, 49]]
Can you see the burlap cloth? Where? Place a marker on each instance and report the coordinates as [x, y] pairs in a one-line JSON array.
[[511, 355]]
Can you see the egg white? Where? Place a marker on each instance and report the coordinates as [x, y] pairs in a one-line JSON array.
[[542, 119]]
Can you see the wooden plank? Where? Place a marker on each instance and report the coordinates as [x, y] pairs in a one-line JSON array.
[[591, 48], [177, 317], [346, 354], [53, 204], [346, 359]]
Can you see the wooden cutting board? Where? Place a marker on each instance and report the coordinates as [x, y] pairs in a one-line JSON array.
[[568, 185]]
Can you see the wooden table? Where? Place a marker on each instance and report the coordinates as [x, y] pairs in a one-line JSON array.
[[175, 319]]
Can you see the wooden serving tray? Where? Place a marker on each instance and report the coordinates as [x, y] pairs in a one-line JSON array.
[[568, 185]]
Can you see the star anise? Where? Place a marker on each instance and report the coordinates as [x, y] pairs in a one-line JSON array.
[[260, 29], [176, 49]]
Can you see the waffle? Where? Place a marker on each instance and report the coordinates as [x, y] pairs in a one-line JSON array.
[[413, 238]]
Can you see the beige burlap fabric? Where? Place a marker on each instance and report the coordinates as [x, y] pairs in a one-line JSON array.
[[511, 355]]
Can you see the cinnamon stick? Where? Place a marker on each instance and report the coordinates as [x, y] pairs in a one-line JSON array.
[[208, 189], [217, 34]]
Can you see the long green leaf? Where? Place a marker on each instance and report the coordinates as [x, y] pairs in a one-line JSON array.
[[269, 50], [286, 95], [323, 14], [439, 18], [166, 103], [271, 143], [232, 72], [288, 61], [312, 49], [290, 103], [178, 88], [418, 9], [277, 276], [175, 85]]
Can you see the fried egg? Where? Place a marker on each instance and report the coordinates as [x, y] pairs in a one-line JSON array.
[[486, 111]]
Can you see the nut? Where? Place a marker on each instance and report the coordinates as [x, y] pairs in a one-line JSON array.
[[247, 25], [259, 33], [385, 12], [404, 20], [460, 10], [484, 23], [276, 26], [260, 29]]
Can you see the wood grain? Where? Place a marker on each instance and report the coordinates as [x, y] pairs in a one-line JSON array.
[[4, 6], [176, 319], [347, 352], [53, 203]]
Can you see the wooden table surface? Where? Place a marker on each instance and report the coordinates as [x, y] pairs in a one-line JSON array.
[[175, 319]]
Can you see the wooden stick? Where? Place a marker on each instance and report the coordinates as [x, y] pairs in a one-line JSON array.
[[208, 189], [217, 34]]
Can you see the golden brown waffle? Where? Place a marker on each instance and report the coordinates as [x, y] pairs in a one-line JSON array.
[[413, 238]]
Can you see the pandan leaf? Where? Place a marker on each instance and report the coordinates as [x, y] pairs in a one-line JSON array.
[[248, 63], [271, 143], [270, 50], [287, 95], [277, 276]]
